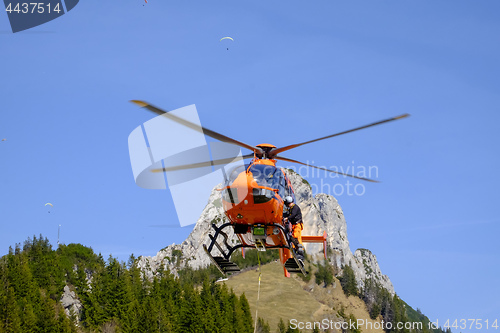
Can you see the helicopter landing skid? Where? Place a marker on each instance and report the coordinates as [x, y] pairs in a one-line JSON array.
[[223, 264]]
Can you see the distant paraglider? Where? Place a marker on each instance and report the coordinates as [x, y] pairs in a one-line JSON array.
[[4, 139], [226, 38], [49, 204]]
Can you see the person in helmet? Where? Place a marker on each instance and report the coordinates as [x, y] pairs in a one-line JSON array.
[[293, 215]]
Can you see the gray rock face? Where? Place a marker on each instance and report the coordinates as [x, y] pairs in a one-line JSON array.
[[320, 213], [72, 305], [323, 213], [367, 262], [190, 252]]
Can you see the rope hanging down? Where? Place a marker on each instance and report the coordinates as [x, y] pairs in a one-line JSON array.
[[258, 296]]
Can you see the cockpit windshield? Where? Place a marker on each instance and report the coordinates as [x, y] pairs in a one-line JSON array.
[[265, 175]]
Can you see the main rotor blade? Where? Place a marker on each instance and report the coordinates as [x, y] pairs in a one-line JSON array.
[[313, 166], [195, 127], [203, 164], [282, 149]]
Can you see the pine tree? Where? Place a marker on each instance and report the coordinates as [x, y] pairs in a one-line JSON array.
[[117, 294], [281, 326], [348, 282], [47, 322], [130, 322], [28, 317], [190, 310], [223, 321], [4, 284], [64, 325], [209, 306], [262, 326], [171, 296], [324, 274], [148, 315], [400, 313], [387, 310], [236, 312], [12, 322], [246, 314], [93, 309]]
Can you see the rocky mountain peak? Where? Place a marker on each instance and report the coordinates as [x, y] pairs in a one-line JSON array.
[[320, 213]]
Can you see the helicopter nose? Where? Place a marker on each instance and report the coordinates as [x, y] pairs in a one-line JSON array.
[[262, 195]]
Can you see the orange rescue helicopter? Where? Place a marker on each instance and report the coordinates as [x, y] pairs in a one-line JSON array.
[[253, 198]]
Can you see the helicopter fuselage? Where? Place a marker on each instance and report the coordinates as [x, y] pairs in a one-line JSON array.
[[256, 194], [253, 200]]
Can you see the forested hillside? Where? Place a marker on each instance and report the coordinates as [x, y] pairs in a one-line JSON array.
[[114, 296]]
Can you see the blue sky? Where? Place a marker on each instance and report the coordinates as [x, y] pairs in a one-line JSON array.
[[295, 71]]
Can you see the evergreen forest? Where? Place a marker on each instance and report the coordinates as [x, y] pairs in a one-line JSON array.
[[113, 296]]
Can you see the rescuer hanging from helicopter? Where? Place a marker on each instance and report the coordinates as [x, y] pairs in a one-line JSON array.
[[294, 216]]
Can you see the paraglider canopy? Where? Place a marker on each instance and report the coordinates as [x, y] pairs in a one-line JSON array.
[[226, 38], [49, 204]]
